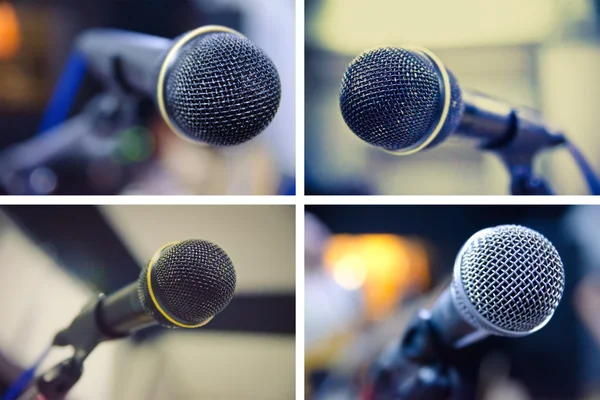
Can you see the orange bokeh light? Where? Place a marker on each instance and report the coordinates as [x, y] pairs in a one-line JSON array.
[[10, 34], [385, 267]]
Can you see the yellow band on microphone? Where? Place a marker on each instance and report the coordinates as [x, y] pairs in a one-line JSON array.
[[153, 297], [167, 63], [446, 109]]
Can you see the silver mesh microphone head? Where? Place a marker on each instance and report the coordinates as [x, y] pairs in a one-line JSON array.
[[508, 280]]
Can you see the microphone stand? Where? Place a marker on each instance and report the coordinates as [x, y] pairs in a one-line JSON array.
[[529, 135], [517, 135], [524, 182], [90, 135], [55, 383], [59, 380], [419, 367]]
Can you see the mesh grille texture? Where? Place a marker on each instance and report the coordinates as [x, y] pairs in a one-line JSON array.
[[513, 276], [195, 281], [390, 97], [222, 89]]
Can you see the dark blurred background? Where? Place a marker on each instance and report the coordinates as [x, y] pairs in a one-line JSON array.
[[55, 259], [369, 269], [35, 43], [541, 53]]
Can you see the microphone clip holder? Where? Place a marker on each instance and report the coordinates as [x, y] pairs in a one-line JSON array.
[[528, 135], [417, 367], [59, 380], [79, 335], [56, 382]]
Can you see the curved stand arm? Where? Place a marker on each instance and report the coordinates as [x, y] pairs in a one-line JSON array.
[[588, 173]]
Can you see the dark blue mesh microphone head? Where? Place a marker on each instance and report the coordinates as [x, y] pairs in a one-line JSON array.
[[392, 98], [222, 89], [194, 281]]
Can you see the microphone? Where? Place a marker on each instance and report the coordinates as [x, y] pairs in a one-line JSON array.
[[508, 281], [404, 100], [211, 85], [184, 285]]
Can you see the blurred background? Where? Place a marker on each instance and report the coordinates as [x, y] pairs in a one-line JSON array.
[[542, 53], [369, 269], [36, 38], [55, 259]]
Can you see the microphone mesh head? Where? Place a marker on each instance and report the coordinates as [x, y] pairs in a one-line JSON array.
[[513, 277], [390, 97], [222, 89], [195, 280]]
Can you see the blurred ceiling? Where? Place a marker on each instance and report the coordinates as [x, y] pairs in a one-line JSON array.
[[350, 27]]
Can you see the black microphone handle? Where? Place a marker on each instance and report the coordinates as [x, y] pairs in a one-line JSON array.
[[105, 318], [516, 133], [485, 118], [121, 312], [130, 58]]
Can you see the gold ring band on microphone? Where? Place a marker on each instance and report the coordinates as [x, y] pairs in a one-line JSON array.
[[162, 76], [446, 105], [154, 298]]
